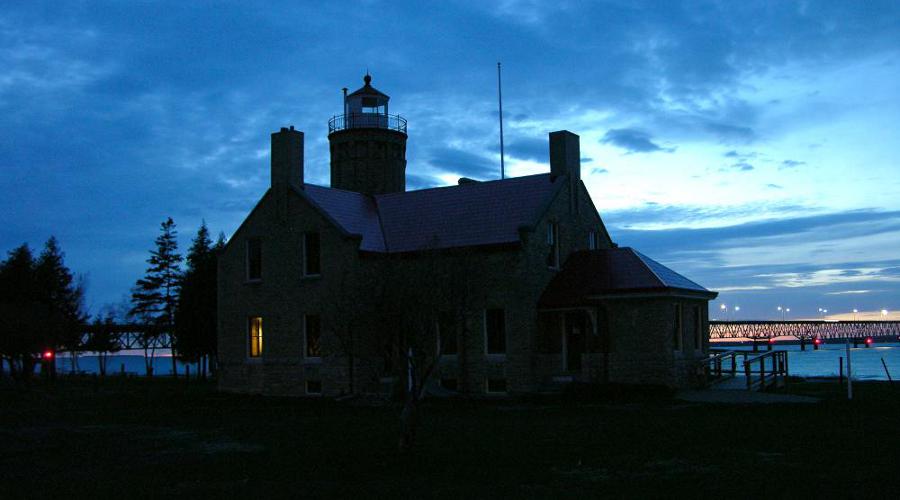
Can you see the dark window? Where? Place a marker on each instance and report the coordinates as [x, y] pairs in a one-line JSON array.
[[313, 329], [254, 259], [449, 383], [698, 329], [549, 332], [553, 244], [312, 256], [314, 387], [495, 331], [447, 334], [496, 385], [593, 240], [677, 330], [256, 337]]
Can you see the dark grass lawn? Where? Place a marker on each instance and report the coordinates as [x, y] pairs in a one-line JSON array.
[[137, 438]]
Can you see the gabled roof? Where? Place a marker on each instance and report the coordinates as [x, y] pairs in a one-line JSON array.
[[481, 213], [355, 213], [614, 271]]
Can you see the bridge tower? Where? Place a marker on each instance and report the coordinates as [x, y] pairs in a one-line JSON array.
[[368, 145]]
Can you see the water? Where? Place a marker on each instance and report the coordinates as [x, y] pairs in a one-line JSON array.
[[133, 364], [809, 363], [825, 361]]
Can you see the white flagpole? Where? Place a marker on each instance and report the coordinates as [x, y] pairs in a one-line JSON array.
[[500, 101]]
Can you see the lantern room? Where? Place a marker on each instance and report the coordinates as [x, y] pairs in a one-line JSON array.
[[366, 107]]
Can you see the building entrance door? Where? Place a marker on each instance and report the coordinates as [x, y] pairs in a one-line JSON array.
[[574, 339]]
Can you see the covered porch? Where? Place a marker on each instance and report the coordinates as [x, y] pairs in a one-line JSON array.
[[617, 316]]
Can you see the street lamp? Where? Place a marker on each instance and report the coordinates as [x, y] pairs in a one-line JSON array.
[[724, 309], [737, 309], [855, 310], [884, 313], [784, 311]]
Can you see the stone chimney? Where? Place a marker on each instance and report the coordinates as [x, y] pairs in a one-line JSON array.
[[287, 158], [565, 156]]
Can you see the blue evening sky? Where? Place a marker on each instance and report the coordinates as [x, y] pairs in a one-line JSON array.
[[751, 146]]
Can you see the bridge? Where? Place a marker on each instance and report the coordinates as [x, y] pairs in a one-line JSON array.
[[138, 336], [804, 330], [127, 336]]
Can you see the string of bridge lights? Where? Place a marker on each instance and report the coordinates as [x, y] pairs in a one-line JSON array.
[[786, 310]]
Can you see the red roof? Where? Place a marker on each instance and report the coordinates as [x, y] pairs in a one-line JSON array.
[[480, 213], [613, 271]]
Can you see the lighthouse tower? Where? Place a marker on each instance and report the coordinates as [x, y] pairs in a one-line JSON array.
[[368, 145]]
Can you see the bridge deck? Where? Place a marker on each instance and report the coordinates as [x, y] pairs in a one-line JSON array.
[[805, 330]]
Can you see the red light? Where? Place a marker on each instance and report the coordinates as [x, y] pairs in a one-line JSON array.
[[869, 340], [48, 354], [818, 341], [771, 341]]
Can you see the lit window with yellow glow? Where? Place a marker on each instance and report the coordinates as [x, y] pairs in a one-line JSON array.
[[256, 337]]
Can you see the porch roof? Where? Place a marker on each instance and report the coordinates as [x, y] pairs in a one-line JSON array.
[[615, 271]]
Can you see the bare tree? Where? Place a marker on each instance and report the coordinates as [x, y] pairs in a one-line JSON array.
[[348, 317], [416, 291]]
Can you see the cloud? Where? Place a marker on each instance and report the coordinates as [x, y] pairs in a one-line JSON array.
[[790, 164], [740, 288], [849, 292], [774, 186], [633, 141], [730, 131], [160, 87], [415, 181], [537, 150], [742, 166], [794, 260], [599, 170], [822, 277], [743, 156], [464, 163]]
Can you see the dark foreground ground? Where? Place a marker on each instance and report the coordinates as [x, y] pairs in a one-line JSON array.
[[139, 438]]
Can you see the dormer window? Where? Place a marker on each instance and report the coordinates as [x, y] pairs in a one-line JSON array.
[[254, 259], [553, 244], [312, 255]]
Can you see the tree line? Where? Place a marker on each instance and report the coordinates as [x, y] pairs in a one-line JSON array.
[[42, 305]]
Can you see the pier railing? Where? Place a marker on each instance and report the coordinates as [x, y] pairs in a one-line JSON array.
[[715, 366], [766, 377], [761, 371]]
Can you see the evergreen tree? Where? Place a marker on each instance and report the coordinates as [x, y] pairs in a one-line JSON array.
[[21, 314], [195, 318], [64, 296], [155, 296], [41, 306]]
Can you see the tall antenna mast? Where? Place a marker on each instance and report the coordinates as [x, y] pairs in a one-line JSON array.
[[500, 101]]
